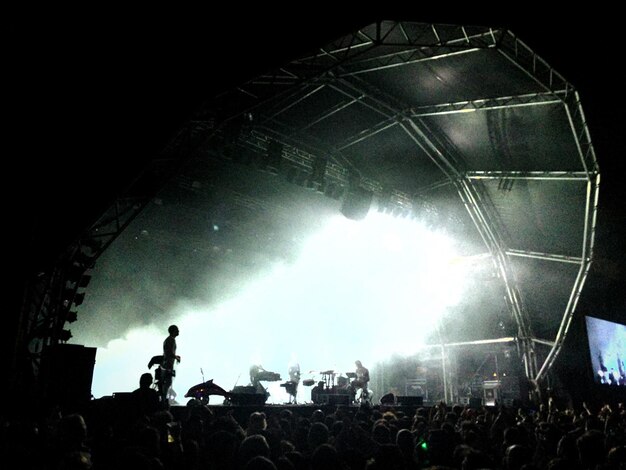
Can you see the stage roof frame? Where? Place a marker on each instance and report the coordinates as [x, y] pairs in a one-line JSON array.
[[421, 116]]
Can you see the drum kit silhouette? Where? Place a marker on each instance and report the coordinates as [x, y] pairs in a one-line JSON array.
[[332, 384], [336, 385]]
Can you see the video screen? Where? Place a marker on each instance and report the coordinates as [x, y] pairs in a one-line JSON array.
[[607, 346]]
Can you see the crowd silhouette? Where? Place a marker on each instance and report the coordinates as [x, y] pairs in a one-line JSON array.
[[141, 432]]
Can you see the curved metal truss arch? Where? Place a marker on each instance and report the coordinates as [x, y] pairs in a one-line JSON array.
[[465, 103]]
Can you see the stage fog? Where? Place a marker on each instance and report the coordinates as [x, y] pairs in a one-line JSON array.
[[269, 274]]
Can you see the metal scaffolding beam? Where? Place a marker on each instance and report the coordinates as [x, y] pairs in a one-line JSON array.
[[367, 133], [528, 175], [544, 256], [343, 66], [472, 200], [538, 70], [593, 188], [398, 60], [526, 60], [489, 104], [328, 113]]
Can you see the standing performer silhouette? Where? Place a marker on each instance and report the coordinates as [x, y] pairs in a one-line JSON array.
[[167, 371], [361, 381]]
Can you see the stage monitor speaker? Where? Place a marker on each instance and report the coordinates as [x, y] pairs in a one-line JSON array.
[[68, 373], [404, 400], [124, 403], [248, 399], [356, 203]]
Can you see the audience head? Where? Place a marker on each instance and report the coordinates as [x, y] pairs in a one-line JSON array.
[[253, 446], [145, 381]]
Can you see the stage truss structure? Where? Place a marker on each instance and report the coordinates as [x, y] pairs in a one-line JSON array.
[[468, 112]]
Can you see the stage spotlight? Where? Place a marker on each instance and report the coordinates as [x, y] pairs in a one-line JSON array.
[[75, 276], [65, 335], [74, 272], [333, 191], [84, 260], [78, 298], [319, 170], [357, 200], [94, 244], [84, 281], [235, 128], [291, 174], [274, 155]]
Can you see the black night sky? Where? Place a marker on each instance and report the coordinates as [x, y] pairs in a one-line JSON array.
[[95, 98]]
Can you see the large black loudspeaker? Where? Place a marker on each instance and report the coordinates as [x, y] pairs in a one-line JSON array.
[[356, 203], [410, 400], [248, 399], [67, 371]]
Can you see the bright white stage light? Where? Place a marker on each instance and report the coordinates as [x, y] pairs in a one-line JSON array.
[[358, 290]]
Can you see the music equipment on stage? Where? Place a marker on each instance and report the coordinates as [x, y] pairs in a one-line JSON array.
[[246, 395], [308, 382], [292, 389], [268, 376], [409, 400], [329, 378], [158, 360], [334, 395], [351, 375], [204, 390], [248, 398]]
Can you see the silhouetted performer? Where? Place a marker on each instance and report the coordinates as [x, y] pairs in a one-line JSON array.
[[255, 376], [362, 380], [317, 392], [294, 381], [167, 371]]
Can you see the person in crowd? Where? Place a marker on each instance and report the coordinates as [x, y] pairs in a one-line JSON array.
[[145, 398]]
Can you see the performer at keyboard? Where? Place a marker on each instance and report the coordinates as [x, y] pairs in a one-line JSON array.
[[361, 381], [294, 372], [259, 374], [294, 381], [255, 377], [317, 392]]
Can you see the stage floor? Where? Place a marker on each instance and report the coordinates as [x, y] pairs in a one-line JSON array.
[[242, 412]]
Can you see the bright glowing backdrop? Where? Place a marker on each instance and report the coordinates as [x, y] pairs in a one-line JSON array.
[[358, 290]]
